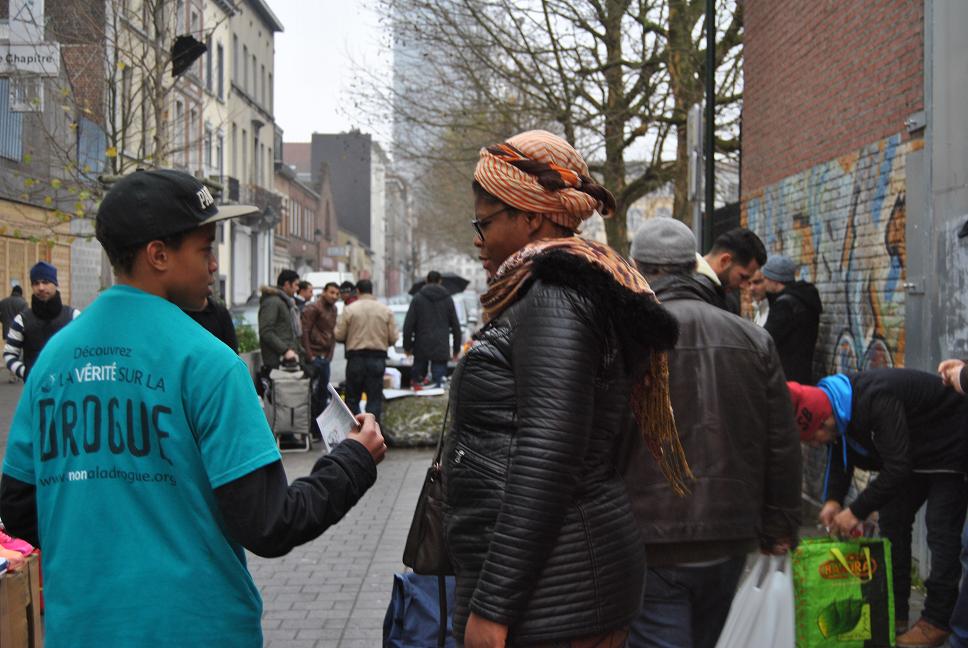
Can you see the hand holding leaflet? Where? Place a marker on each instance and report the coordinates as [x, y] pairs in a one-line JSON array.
[[336, 421]]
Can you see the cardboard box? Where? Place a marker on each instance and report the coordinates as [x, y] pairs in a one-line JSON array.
[[20, 621]]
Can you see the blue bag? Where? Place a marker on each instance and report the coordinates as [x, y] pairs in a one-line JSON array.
[[413, 616]]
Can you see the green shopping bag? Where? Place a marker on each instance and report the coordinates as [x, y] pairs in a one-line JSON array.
[[844, 593]]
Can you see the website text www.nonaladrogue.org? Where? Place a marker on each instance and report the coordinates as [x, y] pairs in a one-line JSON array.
[[128, 476]]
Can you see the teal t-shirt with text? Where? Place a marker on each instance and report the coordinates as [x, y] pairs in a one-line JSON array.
[[131, 417]]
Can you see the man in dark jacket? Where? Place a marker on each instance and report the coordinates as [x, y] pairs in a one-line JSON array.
[[279, 324], [734, 420], [33, 327], [729, 265], [794, 318], [348, 292], [303, 295], [910, 428], [432, 315], [318, 324], [10, 307]]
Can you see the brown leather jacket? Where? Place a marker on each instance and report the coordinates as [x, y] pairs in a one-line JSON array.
[[318, 324], [736, 425]]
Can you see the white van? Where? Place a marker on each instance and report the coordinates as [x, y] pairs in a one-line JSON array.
[[320, 279]]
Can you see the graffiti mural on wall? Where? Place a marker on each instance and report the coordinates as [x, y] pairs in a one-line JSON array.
[[844, 222]]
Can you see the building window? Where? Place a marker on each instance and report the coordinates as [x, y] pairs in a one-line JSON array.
[[256, 166], [11, 126], [243, 173], [193, 161], [235, 149], [219, 154], [178, 154], [235, 58], [271, 92], [245, 68], [263, 80], [220, 64], [180, 17], [143, 136], [209, 81], [125, 104], [255, 71], [207, 152]]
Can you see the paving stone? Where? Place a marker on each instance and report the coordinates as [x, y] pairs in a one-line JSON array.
[[333, 592]]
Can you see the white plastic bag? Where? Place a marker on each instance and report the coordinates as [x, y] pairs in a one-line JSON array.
[[761, 615]]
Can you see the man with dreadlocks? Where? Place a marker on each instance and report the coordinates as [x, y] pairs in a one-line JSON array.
[[538, 524], [733, 414]]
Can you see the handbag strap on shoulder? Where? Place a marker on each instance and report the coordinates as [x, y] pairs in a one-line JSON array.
[[443, 431]]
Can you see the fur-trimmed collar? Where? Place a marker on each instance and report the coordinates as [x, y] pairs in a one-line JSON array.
[[638, 317]]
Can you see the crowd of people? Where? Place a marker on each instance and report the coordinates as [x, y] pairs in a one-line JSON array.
[[623, 431]]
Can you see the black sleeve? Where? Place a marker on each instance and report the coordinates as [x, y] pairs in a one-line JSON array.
[[891, 439], [781, 320], [228, 329], [18, 509], [409, 327], [963, 379], [269, 517], [840, 476]]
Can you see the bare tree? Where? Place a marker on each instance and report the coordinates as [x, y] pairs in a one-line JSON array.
[[616, 77]]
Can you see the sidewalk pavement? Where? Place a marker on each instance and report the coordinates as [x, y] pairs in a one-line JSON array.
[[334, 591]]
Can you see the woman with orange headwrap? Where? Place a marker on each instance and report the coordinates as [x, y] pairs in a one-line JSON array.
[[538, 524]]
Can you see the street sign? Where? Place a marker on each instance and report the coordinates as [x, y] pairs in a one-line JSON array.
[[338, 251], [41, 59]]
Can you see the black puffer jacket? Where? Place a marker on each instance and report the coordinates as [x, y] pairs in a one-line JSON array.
[[538, 523], [431, 322], [734, 419], [793, 322]]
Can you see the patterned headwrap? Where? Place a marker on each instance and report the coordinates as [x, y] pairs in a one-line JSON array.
[[567, 206]]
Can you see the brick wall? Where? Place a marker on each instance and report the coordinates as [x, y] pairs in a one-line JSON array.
[[824, 78]]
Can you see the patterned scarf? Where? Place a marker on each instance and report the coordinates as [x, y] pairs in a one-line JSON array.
[[650, 393]]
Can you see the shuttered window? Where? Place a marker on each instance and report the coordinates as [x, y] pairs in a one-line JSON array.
[[11, 126]]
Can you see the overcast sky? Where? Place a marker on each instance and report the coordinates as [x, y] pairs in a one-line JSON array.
[[318, 61]]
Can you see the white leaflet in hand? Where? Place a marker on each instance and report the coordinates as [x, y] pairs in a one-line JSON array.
[[336, 421]]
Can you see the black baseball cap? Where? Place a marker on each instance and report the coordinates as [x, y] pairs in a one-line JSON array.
[[152, 204]]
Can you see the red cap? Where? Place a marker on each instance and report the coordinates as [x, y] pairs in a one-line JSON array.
[[811, 408]]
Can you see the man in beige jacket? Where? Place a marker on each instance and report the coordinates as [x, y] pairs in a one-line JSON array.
[[367, 328]]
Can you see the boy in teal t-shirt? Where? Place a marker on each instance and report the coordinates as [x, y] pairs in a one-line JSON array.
[[139, 458]]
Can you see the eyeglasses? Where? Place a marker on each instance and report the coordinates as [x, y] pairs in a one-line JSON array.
[[480, 224]]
